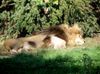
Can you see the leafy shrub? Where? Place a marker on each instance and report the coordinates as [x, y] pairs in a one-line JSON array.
[[26, 16], [96, 9]]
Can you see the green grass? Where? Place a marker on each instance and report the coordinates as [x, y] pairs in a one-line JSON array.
[[51, 61]]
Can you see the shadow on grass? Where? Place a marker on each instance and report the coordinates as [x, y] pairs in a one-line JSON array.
[[36, 64]]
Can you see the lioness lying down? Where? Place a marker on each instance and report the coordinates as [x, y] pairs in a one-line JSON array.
[[56, 37]]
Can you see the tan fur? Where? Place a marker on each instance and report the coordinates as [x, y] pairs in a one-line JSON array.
[[71, 35], [9, 44], [18, 43], [60, 31], [75, 35]]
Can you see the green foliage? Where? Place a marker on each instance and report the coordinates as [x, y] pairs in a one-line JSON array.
[[18, 16], [78, 11], [96, 9], [77, 61]]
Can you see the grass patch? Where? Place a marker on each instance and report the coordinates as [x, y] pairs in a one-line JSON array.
[[61, 61]]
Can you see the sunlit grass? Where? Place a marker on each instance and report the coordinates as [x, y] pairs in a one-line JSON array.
[[51, 61]]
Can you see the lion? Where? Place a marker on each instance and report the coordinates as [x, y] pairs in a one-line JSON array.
[[57, 37]]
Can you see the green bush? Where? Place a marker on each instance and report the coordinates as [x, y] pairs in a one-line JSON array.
[[26, 16], [96, 9]]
